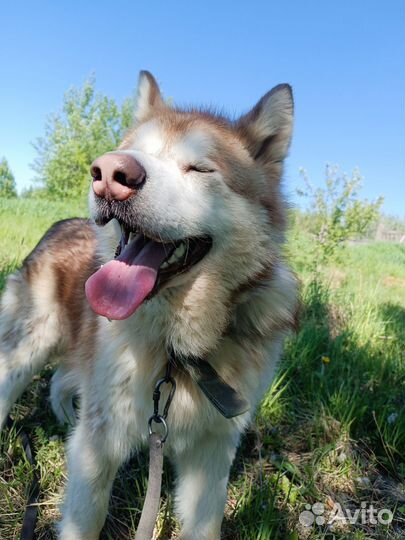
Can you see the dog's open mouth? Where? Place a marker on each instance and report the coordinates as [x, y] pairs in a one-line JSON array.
[[141, 266]]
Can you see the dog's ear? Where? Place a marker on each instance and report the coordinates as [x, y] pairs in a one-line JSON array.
[[148, 97], [267, 127]]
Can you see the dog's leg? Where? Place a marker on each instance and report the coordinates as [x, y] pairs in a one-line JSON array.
[[203, 473], [94, 455], [29, 334], [64, 387]]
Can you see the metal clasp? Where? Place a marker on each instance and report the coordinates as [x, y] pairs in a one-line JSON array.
[[157, 417]]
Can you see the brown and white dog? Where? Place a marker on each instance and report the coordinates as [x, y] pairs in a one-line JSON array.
[[194, 202]]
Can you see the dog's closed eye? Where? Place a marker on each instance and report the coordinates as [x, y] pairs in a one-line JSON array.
[[198, 168]]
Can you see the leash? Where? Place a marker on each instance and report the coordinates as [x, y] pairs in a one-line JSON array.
[[151, 504], [31, 509], [225, 399]]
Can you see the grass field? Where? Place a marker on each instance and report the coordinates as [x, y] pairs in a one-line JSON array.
[[330, 430]]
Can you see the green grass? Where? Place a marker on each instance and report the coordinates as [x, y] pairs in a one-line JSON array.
[[330, 430], [22, 223]]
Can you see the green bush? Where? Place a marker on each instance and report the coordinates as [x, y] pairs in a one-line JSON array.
[[7, 182], [336, 211], [89, 124]]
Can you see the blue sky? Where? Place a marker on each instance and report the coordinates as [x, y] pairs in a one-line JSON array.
[[345, 61]]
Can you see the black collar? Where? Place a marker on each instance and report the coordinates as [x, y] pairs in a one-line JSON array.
[[225, 399]]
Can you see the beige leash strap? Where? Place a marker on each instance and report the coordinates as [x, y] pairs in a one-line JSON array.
[[150, 508], [152, 500]]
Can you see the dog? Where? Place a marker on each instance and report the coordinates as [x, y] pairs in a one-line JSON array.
[[183, 254]]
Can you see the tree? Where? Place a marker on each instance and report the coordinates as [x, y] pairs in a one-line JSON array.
[[336, 211], [7, 181], [89, 125]]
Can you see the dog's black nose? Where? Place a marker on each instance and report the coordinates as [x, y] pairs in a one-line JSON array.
[[116, 176]]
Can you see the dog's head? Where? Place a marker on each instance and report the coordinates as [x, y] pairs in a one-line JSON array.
[[198, 201]]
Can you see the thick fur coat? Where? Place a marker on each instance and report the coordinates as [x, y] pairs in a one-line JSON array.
[[205, 175]]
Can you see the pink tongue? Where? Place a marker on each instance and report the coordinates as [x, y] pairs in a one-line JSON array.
[[120, 286]]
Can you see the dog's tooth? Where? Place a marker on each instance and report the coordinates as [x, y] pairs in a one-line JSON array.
[[165, 265], [172, 259], [180, 250]]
